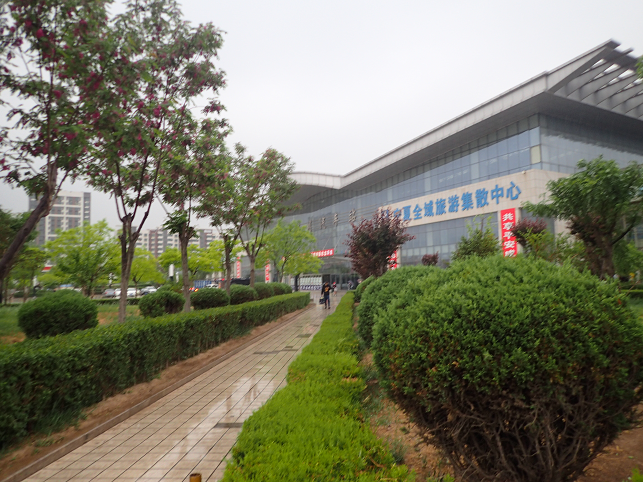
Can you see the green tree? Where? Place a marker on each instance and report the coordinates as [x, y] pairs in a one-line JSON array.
[[372, 242], [601, 203], [169, 64], [11, 224], [145, 269], [480, 242], [85, 256], [199, 260], [54, 55], [29, 264], [288, 246], [628, 259]]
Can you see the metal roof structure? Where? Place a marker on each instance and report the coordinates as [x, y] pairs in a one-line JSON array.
[[599, 88]]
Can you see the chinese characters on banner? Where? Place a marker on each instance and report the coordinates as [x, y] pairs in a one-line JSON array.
[[238, 267], [507, 223], [323, 253], [268, 273], [394, 260]]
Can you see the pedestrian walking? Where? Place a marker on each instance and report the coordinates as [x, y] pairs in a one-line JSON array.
[[334, 288], [325, 291]]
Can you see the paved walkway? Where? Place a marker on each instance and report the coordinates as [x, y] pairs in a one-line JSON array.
[[193, 428]]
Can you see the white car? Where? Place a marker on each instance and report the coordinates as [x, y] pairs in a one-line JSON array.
[[131, 292], [148, 290]]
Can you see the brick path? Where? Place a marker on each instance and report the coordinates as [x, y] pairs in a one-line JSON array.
[[193, 428]]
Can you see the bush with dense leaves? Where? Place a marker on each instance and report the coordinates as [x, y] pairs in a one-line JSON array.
[[60, 312], [378, 295], [242, 294], [313, 428], [47, 378], [361, 287], [281, 288], [209, 298], [264, 290], [518, 369], [163, 302]]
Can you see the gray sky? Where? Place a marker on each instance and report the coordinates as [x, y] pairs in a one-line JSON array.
[[334, 85]]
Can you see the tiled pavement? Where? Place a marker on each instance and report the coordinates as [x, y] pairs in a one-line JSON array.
[[193, 428]]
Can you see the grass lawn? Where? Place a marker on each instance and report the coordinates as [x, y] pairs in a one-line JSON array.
[[9, 329]]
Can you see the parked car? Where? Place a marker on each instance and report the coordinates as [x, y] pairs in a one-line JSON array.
[[131, 292], [148, 290], [109, 293]]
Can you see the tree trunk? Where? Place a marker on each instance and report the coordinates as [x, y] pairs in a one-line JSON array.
[[128, 245], [183, 241], [296, 282], [252, 270]]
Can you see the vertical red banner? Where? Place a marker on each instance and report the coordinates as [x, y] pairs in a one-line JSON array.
[[268, 273], [507, 223], [238, 267], [394, 260]]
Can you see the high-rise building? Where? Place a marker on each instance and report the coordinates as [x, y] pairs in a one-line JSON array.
[[69, 210], [158, 240]]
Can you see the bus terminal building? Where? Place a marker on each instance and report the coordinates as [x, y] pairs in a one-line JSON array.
[[483, 165]]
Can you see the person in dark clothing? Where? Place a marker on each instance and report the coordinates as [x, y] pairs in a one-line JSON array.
[[325, 291]]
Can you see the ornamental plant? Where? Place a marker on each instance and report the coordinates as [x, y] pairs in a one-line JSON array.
[[517, 369], [379, 293], [210, 298], [264, 290], [60, 312], [164, 301], [242, 294]]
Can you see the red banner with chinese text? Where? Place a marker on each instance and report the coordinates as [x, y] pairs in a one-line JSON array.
[[268, 273], [394, 260], [238, 267], [507, 223], [323, 253]]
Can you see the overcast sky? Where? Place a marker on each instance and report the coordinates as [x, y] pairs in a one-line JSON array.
[[334, 85]]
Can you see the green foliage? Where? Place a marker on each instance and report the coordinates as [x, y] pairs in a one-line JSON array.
[[379, 293], [9, 320], [209, 298], [265, 290], [502, 361], [288, 248], [361, 287], [108, 360], [60, 312], [242, 294], [481, 243], [601, 203], [281, 288], [313, 428], [559, 249], [627, 258], [160, 303], [145, 268], [636, 475]]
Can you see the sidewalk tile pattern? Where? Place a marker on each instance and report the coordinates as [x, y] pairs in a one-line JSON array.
[[193, 429]]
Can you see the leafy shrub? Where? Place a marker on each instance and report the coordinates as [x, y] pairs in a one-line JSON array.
[[164, 301], [60, 312], [108, 360], [209, 298], [316, 428], [264, 290], [379, 293], [430, 259], [242, 294], [361, 287], [281, 288], [518, 369]]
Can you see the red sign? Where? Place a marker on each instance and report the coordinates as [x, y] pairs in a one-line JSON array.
[[507, 223], [393, 260], [238, 267], [268, 273], [323, 253]]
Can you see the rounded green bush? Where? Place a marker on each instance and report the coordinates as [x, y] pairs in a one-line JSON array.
[[242, 294], [517, 369], [361, 287], [281, 288], [264, 290], [379, 293], [209, 298], [60, 312], [164, 301]]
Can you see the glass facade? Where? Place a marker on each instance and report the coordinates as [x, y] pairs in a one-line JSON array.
[[537, 142]]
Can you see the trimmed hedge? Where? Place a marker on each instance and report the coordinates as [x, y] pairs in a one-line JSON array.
[[264, 290], [281, 288], [517, 369], [47, 377], [60, 312], [242, 294], [163, 302], [361, 287], [379, 293], [313, 429], [209, 298]]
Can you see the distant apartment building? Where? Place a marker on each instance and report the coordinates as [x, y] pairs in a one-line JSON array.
[[157, 241], [69, 210]]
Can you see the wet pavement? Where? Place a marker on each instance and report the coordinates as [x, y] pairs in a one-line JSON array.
[[192, 429]]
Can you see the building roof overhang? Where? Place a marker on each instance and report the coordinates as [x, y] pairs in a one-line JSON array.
[[599, 87]]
